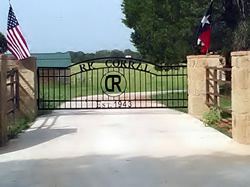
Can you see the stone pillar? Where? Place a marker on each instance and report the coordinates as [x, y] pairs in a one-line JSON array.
[[27, 86], [3, 101], [241, 96], [196, 67]]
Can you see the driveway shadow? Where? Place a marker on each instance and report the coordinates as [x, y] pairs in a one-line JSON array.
[[116, 112], [37, 135], [217, 169]]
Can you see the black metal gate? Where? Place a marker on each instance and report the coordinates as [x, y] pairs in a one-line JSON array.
[[112, 83]]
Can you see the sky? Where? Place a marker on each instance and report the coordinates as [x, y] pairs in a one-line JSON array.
[[69, 25]]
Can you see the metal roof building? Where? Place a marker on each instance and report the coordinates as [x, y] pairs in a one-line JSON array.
[[52, 59]]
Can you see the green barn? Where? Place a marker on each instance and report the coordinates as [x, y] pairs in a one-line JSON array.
[[52, 59]]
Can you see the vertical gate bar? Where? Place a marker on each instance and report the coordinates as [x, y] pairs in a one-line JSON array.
[[43, 90], [183, 86], [124, 73], [151, 81], [81, 90], [125, 90], [59, 88], [162, 103], [146, 99], [156, 90], [70, 92], [129, 86], [76, 91], [92, 80], [172, 87], [65, 91], [140, 89], [113, 97], [177, 82], [54, 75], [87, 97], [167, 85], [48, 89], [102, 85], [135, 90], [97, 84], [186, 85], [108, 95]]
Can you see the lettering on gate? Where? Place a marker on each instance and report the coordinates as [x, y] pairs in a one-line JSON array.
[[113, 84], [128, 64], [116, 81], [87, 67]]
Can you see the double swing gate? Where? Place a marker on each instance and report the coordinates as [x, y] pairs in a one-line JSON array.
[[112, 83]]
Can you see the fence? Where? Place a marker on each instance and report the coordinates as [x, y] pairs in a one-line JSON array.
[[9, 97], [13, 93], [218, 91]]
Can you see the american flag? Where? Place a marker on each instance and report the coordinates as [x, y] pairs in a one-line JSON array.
[[16, 43]]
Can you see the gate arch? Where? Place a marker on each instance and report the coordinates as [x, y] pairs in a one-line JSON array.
[[112, 83]]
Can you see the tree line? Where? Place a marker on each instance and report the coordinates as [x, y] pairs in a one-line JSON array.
[[165, 31], [3, 44], [81, 56]]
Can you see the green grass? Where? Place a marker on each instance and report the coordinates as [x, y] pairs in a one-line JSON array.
[[225, 104], [225, 89], [18, 127], [173, 103]]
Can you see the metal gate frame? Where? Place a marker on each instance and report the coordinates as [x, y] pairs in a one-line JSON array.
[[61, 89]]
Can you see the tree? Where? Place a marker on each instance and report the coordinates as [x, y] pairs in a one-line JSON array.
[[128, 52], [81, 56], [102, 53], [116, 53], [165, 31], [3, 44], [241, 33], [231, 28]]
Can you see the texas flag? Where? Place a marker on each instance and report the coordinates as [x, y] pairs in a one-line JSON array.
[[204, 32]]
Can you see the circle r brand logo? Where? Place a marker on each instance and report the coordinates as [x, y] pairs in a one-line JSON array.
[[113, 84]]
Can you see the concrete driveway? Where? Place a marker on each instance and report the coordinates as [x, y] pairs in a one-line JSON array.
[[123, 148]]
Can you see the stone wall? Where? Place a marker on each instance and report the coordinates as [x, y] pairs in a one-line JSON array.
[[241, 96], [27, 86], [197, 81]]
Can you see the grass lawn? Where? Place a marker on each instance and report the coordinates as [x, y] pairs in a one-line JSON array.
[[172, 103], [226, 104]]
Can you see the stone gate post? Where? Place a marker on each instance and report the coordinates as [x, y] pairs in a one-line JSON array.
[[196, 67], [241, 96]]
